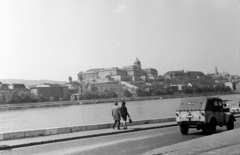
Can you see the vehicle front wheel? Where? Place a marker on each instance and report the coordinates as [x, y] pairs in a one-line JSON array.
[[204, 129], [230, 125], [184, 129], [212, 127]]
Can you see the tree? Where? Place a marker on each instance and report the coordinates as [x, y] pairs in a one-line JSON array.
[[93, 88], [2, 98], [198, 89], [142, 92], [127, 93], [188, 90], [25, 97], [86, 95], [167, 82], [56, 98], [227, 89], [51, 98], [144, 86], [158, 92], [206, 80], [168, 91], [14, 98], [102, 95], [110, 93], [40, 98], [222, 88], [94, 95], [98, 94], [157, 85]]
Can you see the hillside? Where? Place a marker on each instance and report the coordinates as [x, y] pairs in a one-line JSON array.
[[30, 82], [119, 89]]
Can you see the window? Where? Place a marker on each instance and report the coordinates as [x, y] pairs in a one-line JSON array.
[[220, 103], [217, 106]]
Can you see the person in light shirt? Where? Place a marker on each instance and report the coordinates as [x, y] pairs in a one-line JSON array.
[[116, 115]]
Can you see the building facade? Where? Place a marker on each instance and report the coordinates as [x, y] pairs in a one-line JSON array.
[[65, 93], [151, 73], [19, 87], [48, 90], [229, 84], [127, 73], [4, 86], [238, 87]]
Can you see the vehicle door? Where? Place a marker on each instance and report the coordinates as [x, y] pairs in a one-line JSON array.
[[217, 111], [221, 112]]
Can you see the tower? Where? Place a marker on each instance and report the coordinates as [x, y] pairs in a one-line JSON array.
[[137, 63], [70, 79], [216, 71]]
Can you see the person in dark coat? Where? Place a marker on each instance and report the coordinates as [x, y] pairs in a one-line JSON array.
[[124, 114], [116, 115]]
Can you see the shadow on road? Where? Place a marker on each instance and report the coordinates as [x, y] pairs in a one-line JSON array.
[[200, 132]]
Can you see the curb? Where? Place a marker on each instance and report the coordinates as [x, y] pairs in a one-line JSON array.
[[7, 147], [70, 129]]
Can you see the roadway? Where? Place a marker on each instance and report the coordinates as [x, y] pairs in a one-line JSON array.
[[133, 143]]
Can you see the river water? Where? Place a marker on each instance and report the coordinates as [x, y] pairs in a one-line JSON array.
[[39, 118]]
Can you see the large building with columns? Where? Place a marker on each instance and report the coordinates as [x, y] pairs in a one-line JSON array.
[[127, 73]]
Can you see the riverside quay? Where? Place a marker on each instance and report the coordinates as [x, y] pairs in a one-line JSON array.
[[50, 117]]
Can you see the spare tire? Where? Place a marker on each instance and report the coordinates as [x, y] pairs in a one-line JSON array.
[[184, 129]]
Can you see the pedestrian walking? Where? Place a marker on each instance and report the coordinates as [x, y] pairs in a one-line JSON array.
[[116, 115], [124, 114]]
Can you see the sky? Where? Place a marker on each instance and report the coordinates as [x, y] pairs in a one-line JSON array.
[[55, 39]]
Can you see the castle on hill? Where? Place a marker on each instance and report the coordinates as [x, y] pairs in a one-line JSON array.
[[127, 73], [218, 74]]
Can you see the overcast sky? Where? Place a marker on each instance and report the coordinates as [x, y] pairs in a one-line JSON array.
[[55, 39]]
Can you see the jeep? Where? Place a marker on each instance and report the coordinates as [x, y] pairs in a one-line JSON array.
[[203, 113]]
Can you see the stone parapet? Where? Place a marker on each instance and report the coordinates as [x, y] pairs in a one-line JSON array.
[[70, 129]]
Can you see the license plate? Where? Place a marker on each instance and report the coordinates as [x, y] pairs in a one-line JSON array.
[[189, 116]]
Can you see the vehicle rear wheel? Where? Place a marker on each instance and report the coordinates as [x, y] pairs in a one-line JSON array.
[[211, 129], [230, 124], [184, 129]]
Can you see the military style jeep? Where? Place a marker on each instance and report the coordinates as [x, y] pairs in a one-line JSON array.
[[203, 113]]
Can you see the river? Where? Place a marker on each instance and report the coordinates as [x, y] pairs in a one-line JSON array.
[[39, 118]]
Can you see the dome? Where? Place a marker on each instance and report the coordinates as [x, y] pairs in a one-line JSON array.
[[137, 62]]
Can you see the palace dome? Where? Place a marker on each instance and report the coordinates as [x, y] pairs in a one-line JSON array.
[[137, 62]]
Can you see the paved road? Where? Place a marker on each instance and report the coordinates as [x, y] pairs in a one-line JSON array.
[[133, 143]]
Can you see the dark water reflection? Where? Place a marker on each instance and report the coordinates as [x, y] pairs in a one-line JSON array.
[[86, 114]]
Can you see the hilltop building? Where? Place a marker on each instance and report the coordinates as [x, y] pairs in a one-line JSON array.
[[127, 73], [173, 74], [217, 74]]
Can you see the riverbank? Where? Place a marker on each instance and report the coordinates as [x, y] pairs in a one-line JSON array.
[[140, 98], [6, 107]]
